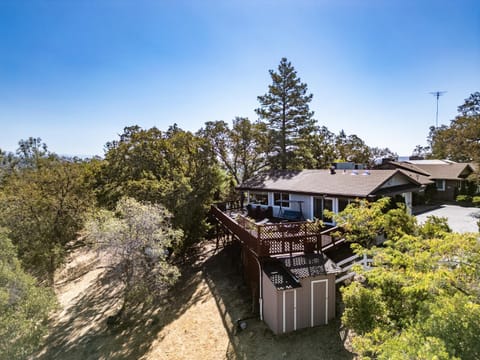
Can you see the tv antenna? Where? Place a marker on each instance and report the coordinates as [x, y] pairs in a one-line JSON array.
[[437, 94]]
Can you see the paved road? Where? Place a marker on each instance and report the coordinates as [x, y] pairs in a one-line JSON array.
[[460, 219]]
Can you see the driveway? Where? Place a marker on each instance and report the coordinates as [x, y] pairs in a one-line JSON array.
[[460, 219]]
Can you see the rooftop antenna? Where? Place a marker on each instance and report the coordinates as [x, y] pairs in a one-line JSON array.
[[437, 94]]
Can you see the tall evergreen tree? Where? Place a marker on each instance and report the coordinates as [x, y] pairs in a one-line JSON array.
[[285, 109]]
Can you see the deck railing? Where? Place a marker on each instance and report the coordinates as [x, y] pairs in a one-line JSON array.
[[278, 238]]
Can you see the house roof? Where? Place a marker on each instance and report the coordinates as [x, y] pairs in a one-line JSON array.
[[409, 167], [440, 169], [412, 171], [430, 162], [346, 183]]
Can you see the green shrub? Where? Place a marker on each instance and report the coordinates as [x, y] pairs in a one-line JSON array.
[[476, 200], [463, 198]]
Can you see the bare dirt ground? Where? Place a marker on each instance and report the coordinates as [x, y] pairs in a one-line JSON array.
[[196, 320]]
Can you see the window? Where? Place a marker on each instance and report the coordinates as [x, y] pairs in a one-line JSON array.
[[342, 204], [327, 205], [260, 198], [440, 184], [317, 208], [281, 199], [319, 205]]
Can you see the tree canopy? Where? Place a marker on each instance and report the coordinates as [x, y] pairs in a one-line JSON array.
[[24, 306], [421, 298], [43, 202], [138, 239], [175, 168], [241, 150], [459, 141]]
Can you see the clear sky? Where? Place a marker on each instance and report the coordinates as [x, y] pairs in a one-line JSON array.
[[76, 72]]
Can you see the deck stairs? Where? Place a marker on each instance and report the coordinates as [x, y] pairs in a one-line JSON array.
[[347, 264]]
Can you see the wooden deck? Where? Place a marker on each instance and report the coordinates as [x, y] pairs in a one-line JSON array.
[[266, 239]]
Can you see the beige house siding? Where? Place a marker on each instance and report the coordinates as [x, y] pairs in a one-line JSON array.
[[292, 309], [270, 304]]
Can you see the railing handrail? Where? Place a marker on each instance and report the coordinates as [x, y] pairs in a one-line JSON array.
[[288, 236], [347, 260]]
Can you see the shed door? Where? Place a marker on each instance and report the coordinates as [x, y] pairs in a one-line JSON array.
[[289, 311], [319, 302]]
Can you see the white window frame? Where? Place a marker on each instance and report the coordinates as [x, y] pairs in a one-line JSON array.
[[334, 207], [282, 194], [252, 194], [440, 188]]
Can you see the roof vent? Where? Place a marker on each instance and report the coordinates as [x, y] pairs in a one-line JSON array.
[[354, 172], [332, 170], [366, 172]]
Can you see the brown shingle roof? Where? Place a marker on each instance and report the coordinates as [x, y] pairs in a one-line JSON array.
[[409, 167], [348, 183], [447, 170], [422, 179]]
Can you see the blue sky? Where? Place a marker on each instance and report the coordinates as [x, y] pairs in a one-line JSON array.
[[75, 73]]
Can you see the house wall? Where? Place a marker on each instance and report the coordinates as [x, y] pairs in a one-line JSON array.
[[307, 297], [305, 205], [298, 304], [396, 180], [449, 193], [270, 304]]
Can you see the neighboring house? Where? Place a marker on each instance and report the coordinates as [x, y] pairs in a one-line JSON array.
[[447, 177], [291, 263]]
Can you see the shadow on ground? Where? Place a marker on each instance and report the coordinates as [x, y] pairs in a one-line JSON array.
[[421, 209], [257, 341], [83, 332]]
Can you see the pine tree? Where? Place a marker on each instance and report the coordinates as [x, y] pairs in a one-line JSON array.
[[286, 111]]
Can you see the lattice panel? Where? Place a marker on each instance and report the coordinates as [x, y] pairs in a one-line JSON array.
[[272, 239]]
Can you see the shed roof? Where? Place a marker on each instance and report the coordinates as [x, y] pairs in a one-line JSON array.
[[279, 276], [285, 272], [347, 183]]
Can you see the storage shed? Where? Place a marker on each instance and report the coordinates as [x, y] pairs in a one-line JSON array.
[[298, 292]]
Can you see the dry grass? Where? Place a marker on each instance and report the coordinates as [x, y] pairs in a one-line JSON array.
[[196, 320]]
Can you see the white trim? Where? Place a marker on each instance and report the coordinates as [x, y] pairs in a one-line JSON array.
[[323, 198], [284, 322], [311, 301], [281, 199], [442, 188], [260, 292], [284, 311], [295, 309]]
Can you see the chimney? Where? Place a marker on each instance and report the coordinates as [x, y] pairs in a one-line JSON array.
[[332, 170]]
